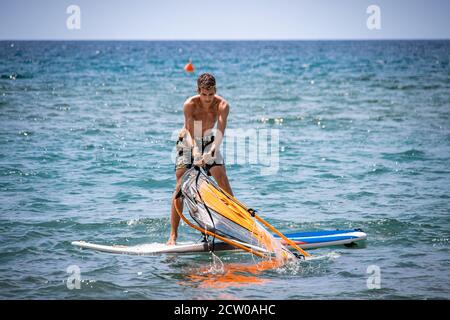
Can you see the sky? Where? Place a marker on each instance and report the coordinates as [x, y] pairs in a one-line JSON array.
[[224, 20]]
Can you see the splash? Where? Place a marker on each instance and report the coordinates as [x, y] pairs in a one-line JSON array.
[[218, 275]]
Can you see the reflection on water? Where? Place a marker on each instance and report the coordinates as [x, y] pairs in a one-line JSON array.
[[219, 275]]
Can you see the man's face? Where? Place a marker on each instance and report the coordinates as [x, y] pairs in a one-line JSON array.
[[207, 95]]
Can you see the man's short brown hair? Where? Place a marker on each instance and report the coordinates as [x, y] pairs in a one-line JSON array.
[[206, 81]]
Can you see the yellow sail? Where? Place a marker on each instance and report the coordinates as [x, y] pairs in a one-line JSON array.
[[221, 216]]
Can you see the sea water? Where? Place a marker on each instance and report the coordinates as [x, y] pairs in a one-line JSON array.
[[87, 135]]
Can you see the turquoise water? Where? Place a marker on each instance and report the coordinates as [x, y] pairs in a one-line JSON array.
[[86, 137]]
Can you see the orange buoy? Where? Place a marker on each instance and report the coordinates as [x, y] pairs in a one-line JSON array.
[[189, 67]]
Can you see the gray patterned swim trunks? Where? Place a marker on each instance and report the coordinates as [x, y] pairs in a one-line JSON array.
[[184, 158]]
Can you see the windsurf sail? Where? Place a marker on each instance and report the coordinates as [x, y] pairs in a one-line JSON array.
[[220, 215]]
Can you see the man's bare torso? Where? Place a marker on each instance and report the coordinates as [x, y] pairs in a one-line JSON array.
[[207, 116]]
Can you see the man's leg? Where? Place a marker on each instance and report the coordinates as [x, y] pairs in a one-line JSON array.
[[174, 217], [220, 175]]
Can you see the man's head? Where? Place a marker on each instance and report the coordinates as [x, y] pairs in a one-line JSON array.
[[206, 88]]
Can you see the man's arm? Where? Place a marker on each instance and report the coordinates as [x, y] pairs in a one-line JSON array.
[[189, 125], [224, 110]]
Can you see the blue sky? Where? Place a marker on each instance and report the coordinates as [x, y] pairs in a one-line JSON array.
[[224, 20]]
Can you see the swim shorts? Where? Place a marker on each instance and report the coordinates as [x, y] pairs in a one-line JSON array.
[[184, 158]]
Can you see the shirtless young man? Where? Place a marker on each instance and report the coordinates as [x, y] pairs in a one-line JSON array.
[[197, 145]]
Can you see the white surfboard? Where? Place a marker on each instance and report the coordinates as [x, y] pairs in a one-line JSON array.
[[306, 240]]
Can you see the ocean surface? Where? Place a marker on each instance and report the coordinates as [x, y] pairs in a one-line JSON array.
[[87, 134]]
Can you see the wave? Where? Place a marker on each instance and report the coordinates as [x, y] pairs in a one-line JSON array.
[[359, 195], [405, 156], [16, 76], [147, 183], [405, 86]]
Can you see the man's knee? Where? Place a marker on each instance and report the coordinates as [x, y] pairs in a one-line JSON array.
[[217, 171], [177, 188], [221, 177], [179, 174], [222, 180]]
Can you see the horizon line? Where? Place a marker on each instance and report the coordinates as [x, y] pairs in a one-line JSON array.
[[237, 40]]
